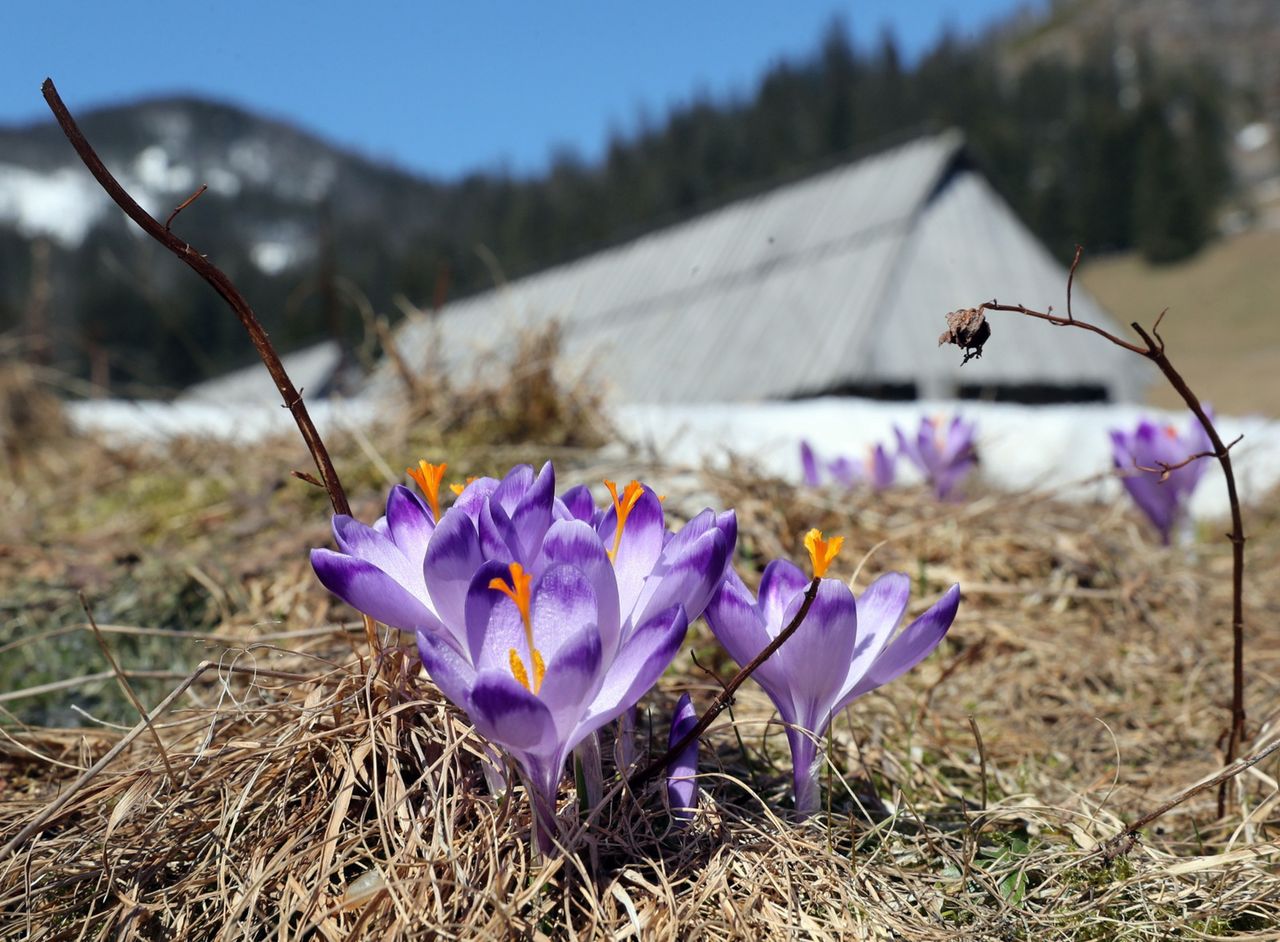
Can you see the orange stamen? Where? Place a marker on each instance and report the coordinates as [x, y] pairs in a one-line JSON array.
[[459, 488], [519, 592], [429, 477], [821, 552], [517, 669], [622, 507]]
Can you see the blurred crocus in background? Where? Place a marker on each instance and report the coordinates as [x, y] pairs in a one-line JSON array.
[[878, 468], [1142, 455], [943, 452], [844, 648], [541, 617]]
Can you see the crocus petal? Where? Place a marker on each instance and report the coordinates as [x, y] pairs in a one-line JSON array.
[[563, 602], [880, 609], [913, 645], [378, 549], [451, 560], [474, 495], [682, 788], [883, 470], [640, 662], [844, 471], [507, 714], [447, 667], [688, 580], [907, 448], [573, 677], [494, 527], [639, 548], [1133, 452], [816, 658], [409, 523], [488, 643], [532, 515], [727, 523], [738, 626], [368, 589], [781, 582], [578, 502], [513, 487], [575, 542], [809, 465]]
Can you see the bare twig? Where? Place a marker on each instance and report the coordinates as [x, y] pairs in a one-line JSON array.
[[37, 823], [1186, 794], [1071, 276], [725, 696], [308, 477], [184, 204], [693, 656], [1152, 348], [123, 681], [226, 290], [217, 280], [1165, 469]]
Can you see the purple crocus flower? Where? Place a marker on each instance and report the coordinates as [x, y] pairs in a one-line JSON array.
[[877, 468], [408, 571], [539, 616], [1140, 456], [844, 648], [944, 455], [682, 787]]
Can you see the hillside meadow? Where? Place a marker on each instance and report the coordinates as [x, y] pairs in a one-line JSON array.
[[301, 784], [1221, 325]]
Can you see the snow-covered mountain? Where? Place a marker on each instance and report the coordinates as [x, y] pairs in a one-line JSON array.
[[162, 150], [278, 200]]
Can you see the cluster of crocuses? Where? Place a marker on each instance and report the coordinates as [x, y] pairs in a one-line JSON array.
[[942, 452], [1158, 467], [545, 617]]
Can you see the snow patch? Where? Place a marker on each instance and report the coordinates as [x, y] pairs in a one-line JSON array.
[[155, 171], [62, 204], [141, 421], [272, 257], [1062, 449], [251, 159], [222, 181]]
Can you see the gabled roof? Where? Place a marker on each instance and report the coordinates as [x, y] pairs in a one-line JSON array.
[[841, 278], [314, 371]]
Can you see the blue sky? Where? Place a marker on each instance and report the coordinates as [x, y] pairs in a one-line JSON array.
[[440, 88]]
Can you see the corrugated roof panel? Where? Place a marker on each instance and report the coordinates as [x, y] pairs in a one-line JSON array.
[[840, 278], [969, 247]]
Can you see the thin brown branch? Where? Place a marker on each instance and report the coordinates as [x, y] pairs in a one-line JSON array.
[[1165, 469], [1153, 349], [994, 305], [217, 280], [1230, 772], [1071, 277], [308, 477], [184, 204], [693, 656], [725, 697], [226, 290]]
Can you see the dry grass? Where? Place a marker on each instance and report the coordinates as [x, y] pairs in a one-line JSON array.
[[351, 802], [1221, 322]]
